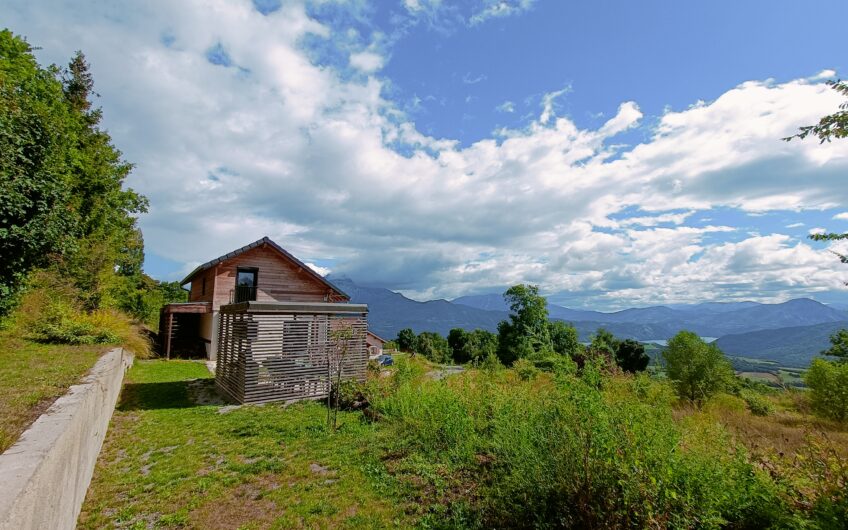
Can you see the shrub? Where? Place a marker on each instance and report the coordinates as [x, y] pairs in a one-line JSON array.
[[573, 454], [556, 364], [828, 383], [525, 369], [62, 324], [758, 404]]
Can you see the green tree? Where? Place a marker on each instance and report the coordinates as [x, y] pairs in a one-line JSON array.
[[111, 245], [838, 345], [468, 346], [458, 343], [406, 339], [828, 384], [36, 132], [564, 338], [697, 369], [604, 342], [62, 198], [526, 333], [433, 347], [630, 356]]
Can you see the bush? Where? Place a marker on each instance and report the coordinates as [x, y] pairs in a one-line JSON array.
[[571, 454], [525, 369], [49, 312], [758, 404], [556, 364], [828, 383]]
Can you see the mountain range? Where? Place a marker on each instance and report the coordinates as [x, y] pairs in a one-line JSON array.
[[791, 332]]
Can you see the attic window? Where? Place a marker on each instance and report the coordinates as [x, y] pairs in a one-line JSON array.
[[203, 287]]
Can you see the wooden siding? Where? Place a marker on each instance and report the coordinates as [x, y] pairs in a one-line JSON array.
[[279, 280], [282, 356], [197, 294]]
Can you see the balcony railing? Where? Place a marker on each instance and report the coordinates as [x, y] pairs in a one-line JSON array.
[[243, 293]]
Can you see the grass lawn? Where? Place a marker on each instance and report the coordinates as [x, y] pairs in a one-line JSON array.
[[171, 461], [33, 376]]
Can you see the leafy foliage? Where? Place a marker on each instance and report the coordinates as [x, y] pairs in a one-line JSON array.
[[828, 383], [526, 333], [564, 338], [631, 357], [544, 454], [406, 339], [698, 370], [433, 347], [839, 345], [471, 346]]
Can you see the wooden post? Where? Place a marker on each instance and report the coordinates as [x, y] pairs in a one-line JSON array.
[[170, 329]]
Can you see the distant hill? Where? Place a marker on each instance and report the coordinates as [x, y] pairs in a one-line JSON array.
[[790, 333], [792, 346], [389, 312]]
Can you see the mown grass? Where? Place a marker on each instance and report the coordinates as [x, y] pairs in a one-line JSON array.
[[33, 376], [169, 462]]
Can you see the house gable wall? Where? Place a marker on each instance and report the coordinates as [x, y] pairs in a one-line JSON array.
[[279, 279], [197, 294]]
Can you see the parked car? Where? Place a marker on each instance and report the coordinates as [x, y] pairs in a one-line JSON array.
[[385, 360]]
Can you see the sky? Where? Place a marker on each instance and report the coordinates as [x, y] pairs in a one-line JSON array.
[[617, 154]]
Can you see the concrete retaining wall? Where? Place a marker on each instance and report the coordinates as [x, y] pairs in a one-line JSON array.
[[44, 476]]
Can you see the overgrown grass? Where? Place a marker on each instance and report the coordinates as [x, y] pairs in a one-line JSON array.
[[169, 462], [486, 448], [32, 376], [49, 311]]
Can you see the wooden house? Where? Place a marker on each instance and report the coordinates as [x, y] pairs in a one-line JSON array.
[[275, 328], [374, 343], [261, 271]]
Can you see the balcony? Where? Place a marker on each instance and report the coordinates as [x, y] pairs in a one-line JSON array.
[[243, 293]]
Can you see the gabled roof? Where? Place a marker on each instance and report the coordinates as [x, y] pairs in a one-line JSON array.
[[381, 339], [264, 241]]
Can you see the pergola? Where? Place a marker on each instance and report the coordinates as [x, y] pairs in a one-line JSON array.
[[281, 351]]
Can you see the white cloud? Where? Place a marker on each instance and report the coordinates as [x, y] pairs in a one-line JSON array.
[[323, 271], [841, 216], [499, 9], [309, 157], [795, 225], [506, 106], [628, 116], [367, 61], [817, 231], [469, 79]]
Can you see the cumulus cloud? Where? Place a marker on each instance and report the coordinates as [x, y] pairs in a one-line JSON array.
[[841, 216], [328, 166]]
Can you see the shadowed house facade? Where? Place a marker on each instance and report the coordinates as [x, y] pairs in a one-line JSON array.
[[276, 329], [259, 272]]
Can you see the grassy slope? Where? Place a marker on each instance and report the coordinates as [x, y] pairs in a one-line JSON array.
[[32, 376], [169, 462]]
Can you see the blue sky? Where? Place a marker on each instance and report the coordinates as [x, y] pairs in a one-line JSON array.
[[615, 153]]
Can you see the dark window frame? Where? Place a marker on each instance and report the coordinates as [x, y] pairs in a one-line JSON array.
[[255, 271]]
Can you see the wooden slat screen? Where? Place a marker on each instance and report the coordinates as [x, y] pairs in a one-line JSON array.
[[282, 356]]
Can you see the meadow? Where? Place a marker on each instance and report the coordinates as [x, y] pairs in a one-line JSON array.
[[489, 447]]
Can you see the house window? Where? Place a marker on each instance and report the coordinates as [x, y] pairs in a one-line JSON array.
[[203, 287], [246, 281]]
